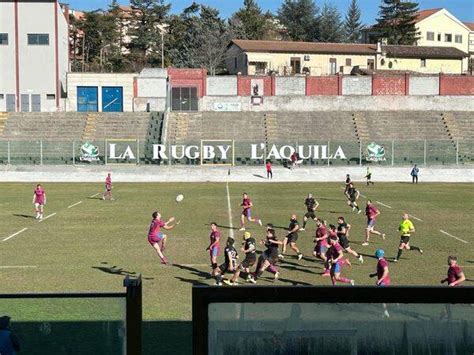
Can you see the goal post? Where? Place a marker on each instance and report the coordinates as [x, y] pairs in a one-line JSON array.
[[217, 152], [122, 151]]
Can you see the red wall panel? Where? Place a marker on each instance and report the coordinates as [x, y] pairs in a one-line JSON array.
[[322, 85], [244, 85], [388, 85], [189, 77], [456, 85]]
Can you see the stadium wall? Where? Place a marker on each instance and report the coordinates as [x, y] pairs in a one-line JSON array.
[[424, 85], [341, 103], [357, 85]]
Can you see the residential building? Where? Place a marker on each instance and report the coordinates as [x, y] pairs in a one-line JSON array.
[[33, 55], [293, 58]]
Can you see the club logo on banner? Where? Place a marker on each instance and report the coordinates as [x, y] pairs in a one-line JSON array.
[[89, 152], [375, 152]]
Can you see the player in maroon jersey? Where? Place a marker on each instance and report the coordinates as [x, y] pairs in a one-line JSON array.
[[156, 238], [39, 200], [247, 212], [214, 247], [371, 212], [455, 274], [335, 257], [108, 188]]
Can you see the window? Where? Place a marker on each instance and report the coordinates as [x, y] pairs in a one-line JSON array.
[[448, 37], [423, 63], [458, 38], [348, 62], [439, 37], [332, 66], [430, 36], [4, 39], [38, 39], [471, 42], [50, 96], [371, 64], [390, 65]]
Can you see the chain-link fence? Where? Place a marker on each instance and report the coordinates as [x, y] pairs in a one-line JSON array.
[[237, 153]]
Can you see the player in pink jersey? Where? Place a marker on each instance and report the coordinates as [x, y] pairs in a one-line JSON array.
[[321, 240], [335, 257], [39, 200], [247, 212], [214, 247], [371, 212], [455, 274], [156, 238], [108, 188]]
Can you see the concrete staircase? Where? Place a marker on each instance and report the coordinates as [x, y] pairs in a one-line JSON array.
[[90, 128], [460, 129], [360, 127], [271, 127], [3, 120]]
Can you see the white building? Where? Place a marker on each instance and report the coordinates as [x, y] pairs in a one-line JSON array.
[[33, 55]]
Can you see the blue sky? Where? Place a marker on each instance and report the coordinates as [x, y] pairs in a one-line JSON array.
[[462, 9]]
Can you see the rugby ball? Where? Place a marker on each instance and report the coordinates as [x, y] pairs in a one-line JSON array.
[[179, 198]]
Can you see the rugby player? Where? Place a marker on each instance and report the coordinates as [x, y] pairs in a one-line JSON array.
[[291, 238], [214, 247], [39, 201], [108, 188], [455, 274], [335, 256], [321, 240], [247, 212], [269, 256], [311, 206], [230, 261], [352, 197], [371, 212], [382, 273], [157, 239], [348, 182], [342, 234], [249, 248], [368, 177], [405, 228]]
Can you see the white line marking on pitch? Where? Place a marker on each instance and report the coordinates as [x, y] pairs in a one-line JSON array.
[[45, 218], [452, 236], [363, 196], [77, 203], [231, 230], [418, 219], [18, 267], [14, 234], [94, 195], [193, 265], [383, 204]]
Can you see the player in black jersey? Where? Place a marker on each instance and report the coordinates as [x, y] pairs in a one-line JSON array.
[[249, 248], [230, 263], [348, 182], [343, 229], [352, 197], [311, 206], [269, 256], [291, 238]]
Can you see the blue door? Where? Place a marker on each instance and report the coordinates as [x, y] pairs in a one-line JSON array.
[[87, 99], [112, 99]]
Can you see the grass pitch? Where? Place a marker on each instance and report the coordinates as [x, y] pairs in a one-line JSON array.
[[91, 246]]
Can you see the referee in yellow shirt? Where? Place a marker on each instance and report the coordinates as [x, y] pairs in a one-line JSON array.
[[405, 228]]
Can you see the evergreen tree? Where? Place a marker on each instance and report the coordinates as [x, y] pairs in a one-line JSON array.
[[299, 17], [352, 24], [397, 22], [330, 25], [250, 22]]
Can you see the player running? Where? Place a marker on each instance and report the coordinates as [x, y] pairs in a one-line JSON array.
[[321, 241], [352, 197], [156, 238], [371, 212], [343, 229], [230, 261], [39, 201], [291, 238], [108, 188], [335, 257], [405, 228], [383, 275], [249, 248], [311, 206], [455, 274], [348, 182], [214, 247], [368, 177], [269, 257], [247, 212]]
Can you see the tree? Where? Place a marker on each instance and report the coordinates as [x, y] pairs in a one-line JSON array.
[[145, 44], [299, 17], [330, 25], [352, 24], [250, 22], [397, 22]]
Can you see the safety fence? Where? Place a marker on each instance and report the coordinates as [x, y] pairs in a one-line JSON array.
[[231, 152]]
